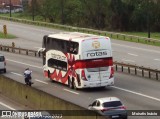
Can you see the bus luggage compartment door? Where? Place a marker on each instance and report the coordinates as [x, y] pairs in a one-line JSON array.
[[104, 75], [99, 75]]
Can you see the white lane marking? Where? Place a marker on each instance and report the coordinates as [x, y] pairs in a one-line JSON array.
[[123, 90], [7, 106], [140, 94], [128, 60], [133, 54], [16, 74], [37, 47], [157, 59], [71, 91], [41, 81], [24, 63], [137, 48]]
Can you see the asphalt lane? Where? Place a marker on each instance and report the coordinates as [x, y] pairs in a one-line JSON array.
[[30, 37], [135, 92]]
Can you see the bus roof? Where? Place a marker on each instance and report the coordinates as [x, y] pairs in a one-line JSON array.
[[73, 36]]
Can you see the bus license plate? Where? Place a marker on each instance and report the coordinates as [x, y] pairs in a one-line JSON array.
[[115, 116]]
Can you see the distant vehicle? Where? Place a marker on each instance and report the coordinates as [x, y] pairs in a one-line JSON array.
[[17, 10], [4, 11], [2, 63], [109, 106], [78, 60]]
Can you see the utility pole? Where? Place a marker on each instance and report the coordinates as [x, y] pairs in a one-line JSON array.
[[148, 19], [98, 14], [62, 11], [33, 10], [10, 9]]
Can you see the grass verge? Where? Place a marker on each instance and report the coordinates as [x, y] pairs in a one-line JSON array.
[[8, 36]]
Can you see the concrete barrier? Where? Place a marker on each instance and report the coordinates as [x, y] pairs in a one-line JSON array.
[[39, 100]]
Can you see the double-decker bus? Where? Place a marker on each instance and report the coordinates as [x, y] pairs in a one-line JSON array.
[[78, 60]]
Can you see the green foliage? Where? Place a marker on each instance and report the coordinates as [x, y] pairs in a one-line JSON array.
[[114, 15], [8, 36]]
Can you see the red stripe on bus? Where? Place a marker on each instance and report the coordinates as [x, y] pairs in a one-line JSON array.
[[80, 64], [57, 75]]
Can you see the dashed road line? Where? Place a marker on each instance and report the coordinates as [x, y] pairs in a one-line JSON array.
[[24, 63], [157, 59], [71, 91], [41, 81], [126, 90], [128, 60], [140, 94], [7, 106], [16, 74], [132, 54]]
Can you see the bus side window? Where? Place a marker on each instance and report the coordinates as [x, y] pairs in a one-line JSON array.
[[44, 41], [75, 48], [61, 65], [44, 57], [72, 47], [55, 63]]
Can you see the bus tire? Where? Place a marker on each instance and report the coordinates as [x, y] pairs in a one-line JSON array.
[[4, 70], [49, 76], [74, 84], [70, 84]]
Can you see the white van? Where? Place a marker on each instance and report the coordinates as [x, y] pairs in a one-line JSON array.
[[2, 63]]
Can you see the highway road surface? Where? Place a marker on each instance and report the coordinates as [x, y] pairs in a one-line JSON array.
[[135, 92], [30, 37]]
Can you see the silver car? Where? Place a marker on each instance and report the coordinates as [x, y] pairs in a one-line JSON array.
[[2, 63], [109, 106]]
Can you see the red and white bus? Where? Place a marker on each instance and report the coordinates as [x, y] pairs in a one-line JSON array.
[[78, 60]]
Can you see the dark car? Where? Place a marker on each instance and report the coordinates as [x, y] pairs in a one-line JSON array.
[[2, 63]]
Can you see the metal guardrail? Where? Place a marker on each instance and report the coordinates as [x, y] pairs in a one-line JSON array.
[[137, 70], [122, 67], [87, 30], [20, 51]]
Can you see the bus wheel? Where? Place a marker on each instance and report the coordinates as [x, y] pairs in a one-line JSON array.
[[74, 84], [49, 76], [70, 84]]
